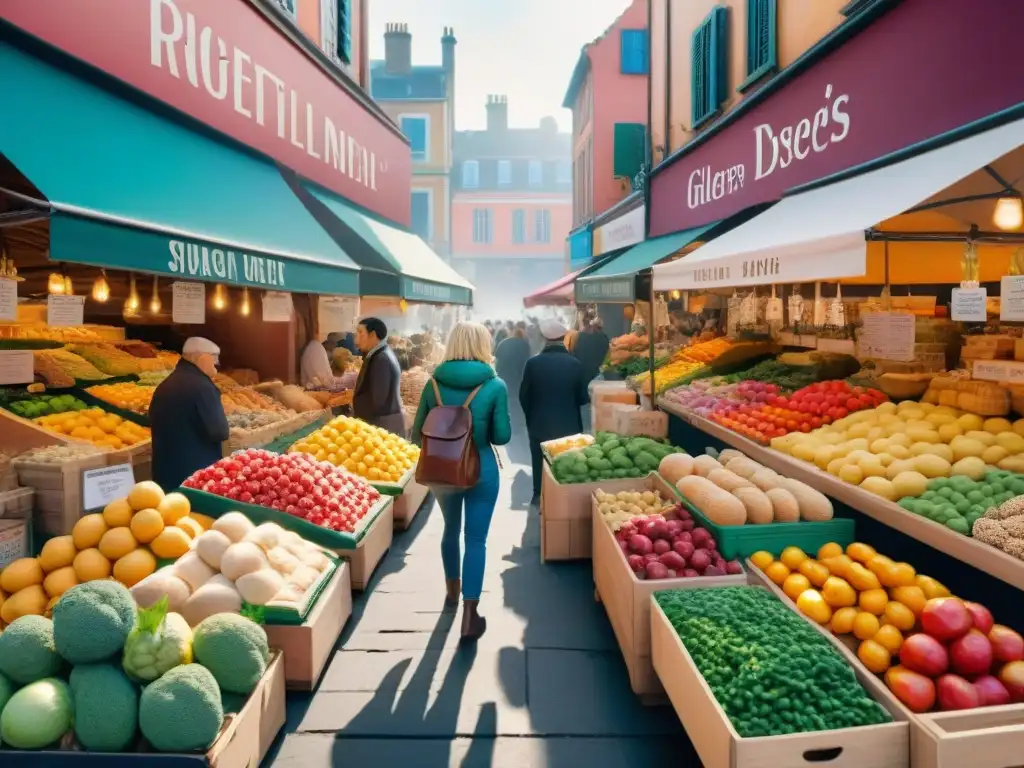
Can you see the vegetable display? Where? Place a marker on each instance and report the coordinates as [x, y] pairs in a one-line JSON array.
[[554, 448], [45, 405], [611, 457], [363, 449], [126, 395], [617, 509], [103, 650], [1003, 527], [959, 502], [671, 546], [294, 483], [770, 671]]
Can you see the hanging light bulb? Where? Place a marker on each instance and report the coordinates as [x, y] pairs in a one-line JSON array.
[[101, 288], [675, 295], [244, 308], [220, 299], [55, 284], [154, 302], [132, 303], [69, 287], [1008, 213]]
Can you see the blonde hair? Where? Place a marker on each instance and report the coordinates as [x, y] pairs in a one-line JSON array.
[[469, 341]]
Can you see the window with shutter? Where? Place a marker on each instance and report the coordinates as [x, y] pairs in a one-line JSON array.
[[421, 213], [628, 150], [329, 28], [633, 52], [344, 26], [470, 174], [761, 53], [504, 173], [482, 225], [542, 226], [709, 66], [416, 130], [519, 226], [536, 173]]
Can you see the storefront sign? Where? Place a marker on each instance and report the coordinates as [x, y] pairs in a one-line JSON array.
[[887, 336], [421, 290], [102, 486], [337, 314], [1011, 293], [195, 260], [969, 305], [277, 307], [188, 303], [16, 367], [626, 230], [8, 299], [580, 249], [222, 63], [611, 290], [65, 311], [865, 100]]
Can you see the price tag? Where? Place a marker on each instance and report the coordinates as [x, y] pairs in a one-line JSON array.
[[277, 307], [773, 311], [969, 304], [1007, 371], [337, 314], [1011, 291], [16, 367], [65, 311], [888, 336], [8, 299], [188, 303], [107, 484]]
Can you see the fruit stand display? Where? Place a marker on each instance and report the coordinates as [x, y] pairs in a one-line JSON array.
[[55, 471], [106, 676]]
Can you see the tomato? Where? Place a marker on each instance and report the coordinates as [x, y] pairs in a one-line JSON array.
[[815, 422], [841, 413]]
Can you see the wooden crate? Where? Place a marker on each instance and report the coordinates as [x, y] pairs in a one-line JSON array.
[[58, 491], [372, 547], [409, 503], [627, 599], [937, 739], [246, 738], [720, 746]]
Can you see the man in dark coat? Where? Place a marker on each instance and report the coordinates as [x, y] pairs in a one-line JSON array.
[[186, 416], [591, 349], [377, 399], [552, 393], [510, 361]]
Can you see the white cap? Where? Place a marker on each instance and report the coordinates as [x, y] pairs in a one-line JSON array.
[[197, 345], [552, 329]]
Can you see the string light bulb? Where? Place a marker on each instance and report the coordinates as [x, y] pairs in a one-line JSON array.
[[245, 308], [69, 287], [101, 288], [1008, 213], [55, 284], [154, 303], [132, 303], [220, 299]]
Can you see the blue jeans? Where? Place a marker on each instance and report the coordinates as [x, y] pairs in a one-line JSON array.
[[479, 503]]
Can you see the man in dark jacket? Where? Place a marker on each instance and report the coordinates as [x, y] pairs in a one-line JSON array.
[[186, 416], [377, 399], [510, 361], [552, 393], [591, 350]]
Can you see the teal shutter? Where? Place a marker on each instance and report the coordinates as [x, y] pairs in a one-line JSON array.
[[761, 52], [628, 151], [709, 66], [344, 29]]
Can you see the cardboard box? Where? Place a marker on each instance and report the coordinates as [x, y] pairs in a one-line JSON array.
[[16, 504], [409, 504], [603, 415], [307, 647], [247, 737], [627, 599], [611, 392], [372, 547], [58, 491], [564, 539], [718, 744], [641, 422], [14, 541]]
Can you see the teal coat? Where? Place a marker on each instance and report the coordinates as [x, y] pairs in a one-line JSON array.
[[456, 379]]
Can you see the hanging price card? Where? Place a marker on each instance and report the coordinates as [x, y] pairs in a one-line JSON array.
[[968, 305]]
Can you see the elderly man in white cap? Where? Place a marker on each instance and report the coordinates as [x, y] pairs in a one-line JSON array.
[[187, 417], [553, 391]]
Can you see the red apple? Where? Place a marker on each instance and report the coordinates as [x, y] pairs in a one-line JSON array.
[[1007, 645], [1012, 677], [956, 693], [924, 654], [971, 654], [980, 615], [991, 692], [916, 691], [946, 618]]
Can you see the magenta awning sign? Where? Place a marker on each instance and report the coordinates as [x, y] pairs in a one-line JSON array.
[[925, 68]]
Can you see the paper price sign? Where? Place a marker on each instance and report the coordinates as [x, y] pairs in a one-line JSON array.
[[969, 305], [107, 484], [8, 299], [1011, 291], [65, 311], [998, 370], [188, 303], [16, 367]]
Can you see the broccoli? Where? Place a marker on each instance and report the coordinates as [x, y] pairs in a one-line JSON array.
[[91, 621], [234, 649], [27, 651], [106, 707], [769, 669], [182, 710]]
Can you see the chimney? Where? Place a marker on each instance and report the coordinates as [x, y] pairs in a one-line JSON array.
[[397, 49], [448, 43], [497, 113], [548, 125]]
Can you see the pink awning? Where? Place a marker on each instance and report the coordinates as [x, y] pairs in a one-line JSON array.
[[559, 293]]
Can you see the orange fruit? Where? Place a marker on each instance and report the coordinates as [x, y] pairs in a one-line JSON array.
[[899, 616], [171, 544], [792, 557], [815, 572], [842, 621], [912, 597], [88, 531], [861, 578], [904, 575], [873, 601], [60, 581], [865, 625], [889, 638], [884, 568], [829, 550], [146, 525], [860, 552], [838, 593], [145, 495], [874, 656], [794, 584], [134, 567], [762, 559], [777, 572], [21, 573], [118, 514], [58, 552], [931, 587], [116, 543], [812, 605], [838, 565], [190, 526], [173, 507], [91, 565]]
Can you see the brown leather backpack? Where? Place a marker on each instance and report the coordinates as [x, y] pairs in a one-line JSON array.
[[448, 455]]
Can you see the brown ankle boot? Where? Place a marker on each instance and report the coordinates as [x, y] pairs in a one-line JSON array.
[[473, 624], [453, 589]]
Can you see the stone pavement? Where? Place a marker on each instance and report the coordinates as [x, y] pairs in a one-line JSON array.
[[545, 688]]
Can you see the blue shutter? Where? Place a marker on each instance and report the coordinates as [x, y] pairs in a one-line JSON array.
[[421, 213], [344, 29], [628, 149], [633, 58], [519, 226], [415, 129], [761, 54], [709, 73]]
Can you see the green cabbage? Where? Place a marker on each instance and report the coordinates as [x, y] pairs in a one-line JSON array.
[[37, 715], [158, 642]]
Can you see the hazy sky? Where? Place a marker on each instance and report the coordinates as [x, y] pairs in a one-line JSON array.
[[525, 49]]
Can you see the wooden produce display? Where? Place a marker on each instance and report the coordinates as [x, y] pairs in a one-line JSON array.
[[58, 491], [989, 737], [627, 599], [720, 746], [307, 647], [371, 547], [409, 502]]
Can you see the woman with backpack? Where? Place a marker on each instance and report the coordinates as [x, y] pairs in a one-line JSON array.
[[463, 413]]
